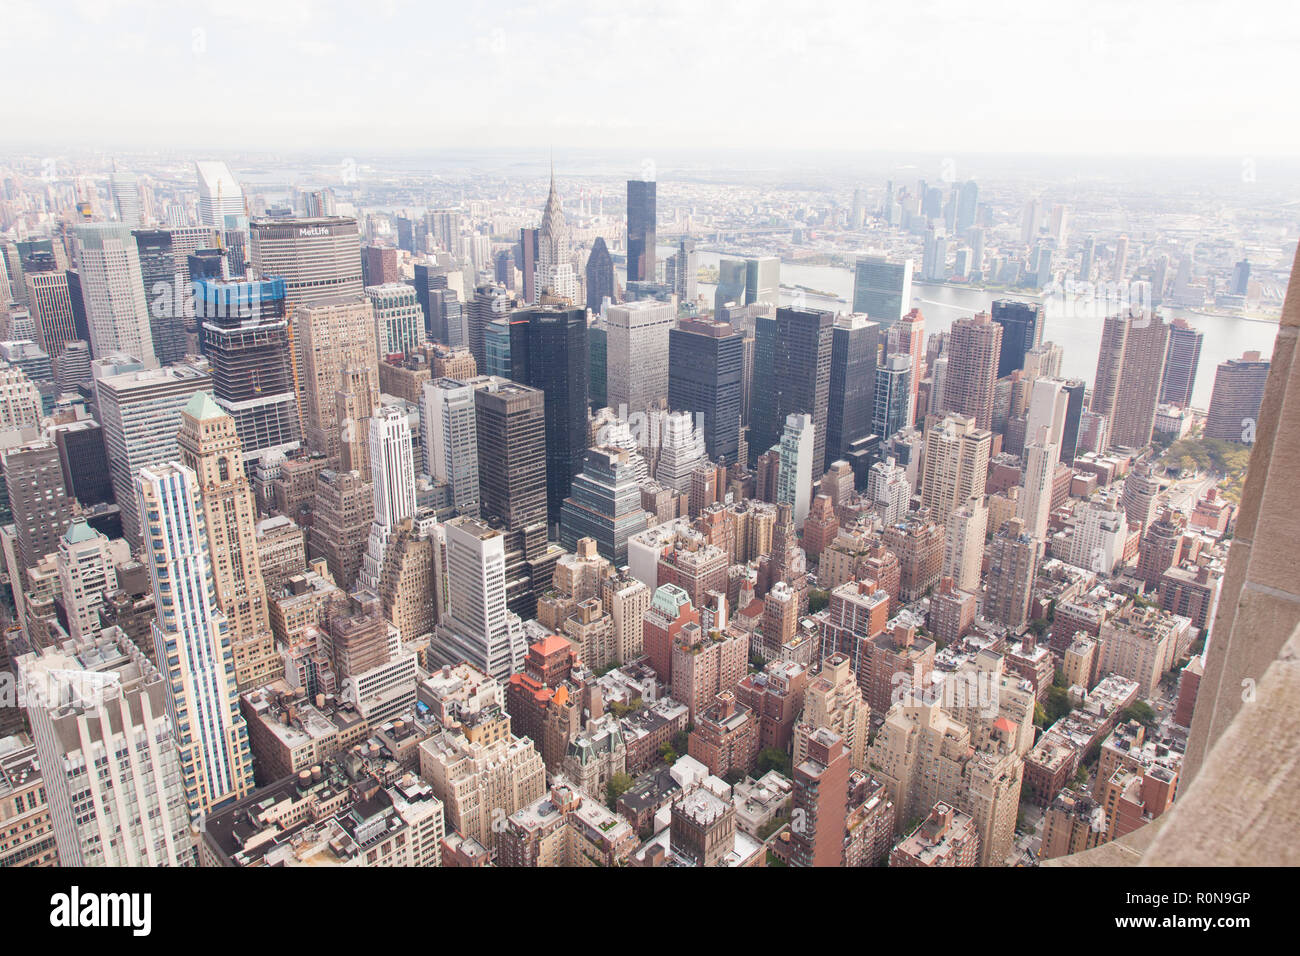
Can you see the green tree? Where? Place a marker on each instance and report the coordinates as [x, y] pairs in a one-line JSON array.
[[618, 785], [1058, 704], [1141, 712], [1040, 715], [818, 599], [772, 758]]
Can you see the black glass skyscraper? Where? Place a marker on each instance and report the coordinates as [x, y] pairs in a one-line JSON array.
[[597, 362], [245, 331], [161, 274], [510, 421], [1074, 388], [792, 375], [1022, 330], [548, 351], [640, 231], [854, 343], [600, 275], [706, 366]]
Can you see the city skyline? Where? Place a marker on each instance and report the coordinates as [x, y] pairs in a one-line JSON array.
[[892, 471]]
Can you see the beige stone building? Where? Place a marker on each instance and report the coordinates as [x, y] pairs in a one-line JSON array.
[[210, 447]]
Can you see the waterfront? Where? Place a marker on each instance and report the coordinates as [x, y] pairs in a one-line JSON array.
[[1079, 335]]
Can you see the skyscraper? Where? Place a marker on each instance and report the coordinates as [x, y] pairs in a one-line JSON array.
[[820, 798], [600, 275], [526, 260], [967, 205], [882, 288], [86, 574], [219, 194], [798, 454], [1048, 408], [636, 354], [956, 465], [245, 330], [164, 269], [555, 272], [548, 351], [451, 439], [337, 353], [208, 444], [192, 640], [1184, 355], [605, 504], [974, 346], [893, 394], [1022, 330], [1074, 389], [141, 415], [763, 281], [963, 553], [512, 459], [393, 468], [1240, 282], [50, 300], [106, 739], [1130, 368], [731, 283], [1235, 402], [640, 231], [342, 511], [792, 366], [684, 267], [38, 501], [705, 377], [477, 626], [1035, 504], [852, 390], [318, 258], [116, 310], [399, 320], [907, 337], [1013, 564]]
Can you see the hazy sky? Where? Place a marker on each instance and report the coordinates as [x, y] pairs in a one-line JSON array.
[[1134, 76]]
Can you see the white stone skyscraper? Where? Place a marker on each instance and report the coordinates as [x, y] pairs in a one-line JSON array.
[[86, 574], [1035, 505], [636, 354], [219, 194], [117, 311], [794, 484], [477, 626], [392, 465], [681, 448], [109, 757], [889, 490], [1048, 406], [448, 419], [192, 639]]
